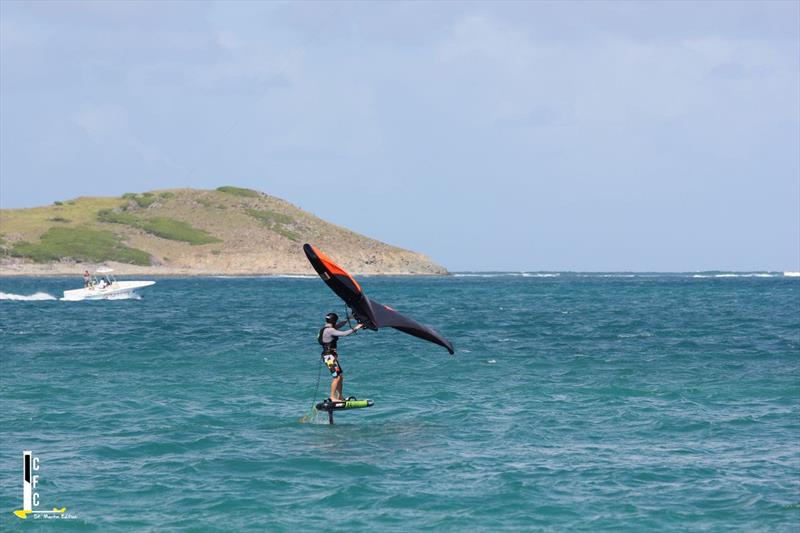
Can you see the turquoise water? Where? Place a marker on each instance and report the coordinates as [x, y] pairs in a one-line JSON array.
[[573, 403]]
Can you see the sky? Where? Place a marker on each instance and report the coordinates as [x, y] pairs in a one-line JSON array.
[[588, 136]]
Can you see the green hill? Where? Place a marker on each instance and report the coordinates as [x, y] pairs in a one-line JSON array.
[[229, 230]]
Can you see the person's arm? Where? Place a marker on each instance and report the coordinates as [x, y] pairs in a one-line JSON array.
[[345, 333]]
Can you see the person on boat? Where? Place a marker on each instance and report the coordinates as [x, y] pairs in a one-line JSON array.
[[86, 278], [328, 337]]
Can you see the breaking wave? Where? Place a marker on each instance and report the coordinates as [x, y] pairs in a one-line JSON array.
[[629, 275], [732, 275], [268, 276], [506, 274]]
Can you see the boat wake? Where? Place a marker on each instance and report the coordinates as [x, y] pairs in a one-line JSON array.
[[127, 296], [39, 296]]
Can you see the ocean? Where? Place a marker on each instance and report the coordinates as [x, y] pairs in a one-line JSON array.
[[574, 402]]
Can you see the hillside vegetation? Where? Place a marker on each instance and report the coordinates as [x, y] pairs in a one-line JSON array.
[[230, 230]]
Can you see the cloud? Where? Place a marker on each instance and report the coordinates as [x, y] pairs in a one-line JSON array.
[[606, 112], [511, 77], [100, 122]]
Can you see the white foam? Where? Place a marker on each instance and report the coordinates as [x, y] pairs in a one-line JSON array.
[[732, 275], [792, 274], [643, 334], [751, 275], [506, 275], [268, 276], [597, 275], [126, 296], [39, 296]]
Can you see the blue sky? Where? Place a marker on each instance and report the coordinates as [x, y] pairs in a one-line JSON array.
[[490, 136]]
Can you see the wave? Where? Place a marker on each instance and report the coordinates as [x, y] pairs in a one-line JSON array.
[[480, 275], [608, 275], [506, 275], [640, 335], [637, 275], [268, 276], [37, 297], [128, 296], [738, 275]]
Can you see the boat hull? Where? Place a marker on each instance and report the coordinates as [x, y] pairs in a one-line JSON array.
[[119, 289]]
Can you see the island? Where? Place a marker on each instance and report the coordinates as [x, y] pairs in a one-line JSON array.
[[187, 232]]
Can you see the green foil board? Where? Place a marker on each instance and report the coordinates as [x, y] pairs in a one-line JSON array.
[[350, 404]]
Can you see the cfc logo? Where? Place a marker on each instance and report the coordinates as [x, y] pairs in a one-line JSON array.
[[30, 494]]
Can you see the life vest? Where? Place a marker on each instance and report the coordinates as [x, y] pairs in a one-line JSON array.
[[328, 348]]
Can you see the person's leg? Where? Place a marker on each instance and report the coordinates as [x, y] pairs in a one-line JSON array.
[[339, 387], [335, 386]]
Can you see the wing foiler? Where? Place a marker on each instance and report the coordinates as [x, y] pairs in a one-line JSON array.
[[372, 314]]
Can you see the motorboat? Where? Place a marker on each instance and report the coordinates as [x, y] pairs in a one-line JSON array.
[[104, 286]]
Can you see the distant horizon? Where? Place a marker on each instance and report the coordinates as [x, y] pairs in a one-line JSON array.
[[451, 270], [550, 274], [635, 272]]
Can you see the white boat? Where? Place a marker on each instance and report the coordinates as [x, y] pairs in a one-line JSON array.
[[104, 286]]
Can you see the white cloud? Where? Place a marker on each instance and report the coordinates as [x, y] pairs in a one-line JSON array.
[[509, 75]]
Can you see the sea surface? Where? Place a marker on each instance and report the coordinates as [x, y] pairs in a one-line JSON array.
[[574, 402]]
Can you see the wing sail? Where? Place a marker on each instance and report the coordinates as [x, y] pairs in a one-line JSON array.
[[372, 314], [384, 316], [340, 282]]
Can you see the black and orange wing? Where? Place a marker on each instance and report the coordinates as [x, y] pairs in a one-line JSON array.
[[340, 282], [370, 313]]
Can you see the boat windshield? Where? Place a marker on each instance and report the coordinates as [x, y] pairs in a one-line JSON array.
[[102, 279]]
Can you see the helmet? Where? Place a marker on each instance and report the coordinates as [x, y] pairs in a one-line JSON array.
[[332, 318]]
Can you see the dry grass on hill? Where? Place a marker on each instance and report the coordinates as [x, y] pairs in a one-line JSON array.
[[225, 231]]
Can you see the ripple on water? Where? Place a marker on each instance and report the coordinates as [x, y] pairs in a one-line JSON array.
[[586, 403]]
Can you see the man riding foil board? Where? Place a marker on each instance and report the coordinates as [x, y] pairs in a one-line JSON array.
[[368, 313], [328, 337]]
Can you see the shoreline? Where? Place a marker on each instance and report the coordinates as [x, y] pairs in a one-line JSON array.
[[69, 270], [223, 275], [76, 270]]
